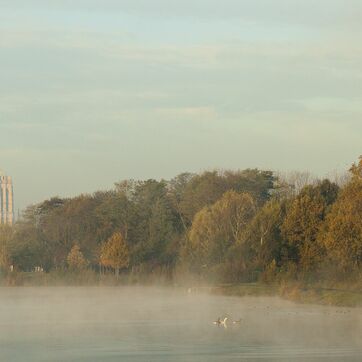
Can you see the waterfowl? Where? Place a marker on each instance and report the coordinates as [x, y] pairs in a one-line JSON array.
[[218, 321], [223, 322]]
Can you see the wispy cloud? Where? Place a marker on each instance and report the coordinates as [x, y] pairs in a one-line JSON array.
[[125, 85]]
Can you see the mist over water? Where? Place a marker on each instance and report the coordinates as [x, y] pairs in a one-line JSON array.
[[152, 324]]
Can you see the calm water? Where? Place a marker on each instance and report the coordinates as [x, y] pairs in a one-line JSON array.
[[147, 324]]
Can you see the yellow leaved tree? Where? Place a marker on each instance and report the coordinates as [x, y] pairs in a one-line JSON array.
[[115, 253], [217, 227], [343, 230], [76, 259]]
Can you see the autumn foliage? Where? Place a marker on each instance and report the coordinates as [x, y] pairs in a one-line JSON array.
[[114, 253], [228, 226], [76, 260]]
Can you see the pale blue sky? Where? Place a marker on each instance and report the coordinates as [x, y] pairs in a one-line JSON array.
[[94, 91]]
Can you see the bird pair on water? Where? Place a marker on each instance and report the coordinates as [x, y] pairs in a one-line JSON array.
[[222, 322]]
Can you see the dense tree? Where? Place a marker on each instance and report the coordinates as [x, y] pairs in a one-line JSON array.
[[343, 234], [28, 247], [114, 212], [303, 221], [6, 236], [157, 228], [177, 189], [259, 184], [205, 189], [234, 225], [216, 228], [264, 234], [202, 190]]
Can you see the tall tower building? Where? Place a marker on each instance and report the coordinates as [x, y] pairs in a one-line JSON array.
[[6, 200]]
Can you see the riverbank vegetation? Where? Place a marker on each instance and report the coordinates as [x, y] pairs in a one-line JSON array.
[[235, 227]]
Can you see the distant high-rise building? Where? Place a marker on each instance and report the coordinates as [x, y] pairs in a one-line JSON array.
[[6, 200]]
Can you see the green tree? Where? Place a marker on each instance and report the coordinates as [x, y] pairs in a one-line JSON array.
[[177, 189], [157, 228], [6, 237], [202, 190], [163, 230], [59, 223], [205, 189], [257, 183], [115, 212], [28, 248]]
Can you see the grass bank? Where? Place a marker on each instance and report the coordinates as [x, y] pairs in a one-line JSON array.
[[347, 296], [86, 277], [59, 278]]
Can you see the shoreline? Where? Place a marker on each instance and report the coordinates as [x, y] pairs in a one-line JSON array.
[[303, 295], [344, 295]]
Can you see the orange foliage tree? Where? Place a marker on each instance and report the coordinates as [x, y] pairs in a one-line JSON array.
[[115, 253], [343, 234], [76, 259]]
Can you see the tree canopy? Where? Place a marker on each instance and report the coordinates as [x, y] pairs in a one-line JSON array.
[[237, 225]]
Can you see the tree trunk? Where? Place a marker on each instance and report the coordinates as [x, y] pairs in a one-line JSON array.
[[117, 273]]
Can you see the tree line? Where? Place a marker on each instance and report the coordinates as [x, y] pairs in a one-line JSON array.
[[226, 226]]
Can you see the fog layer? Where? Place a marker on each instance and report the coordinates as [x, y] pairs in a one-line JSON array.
[[148, 324]]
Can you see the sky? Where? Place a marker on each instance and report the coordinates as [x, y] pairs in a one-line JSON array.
[[96, 91]]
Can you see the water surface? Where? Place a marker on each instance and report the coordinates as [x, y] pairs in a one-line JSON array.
[[150, 324]]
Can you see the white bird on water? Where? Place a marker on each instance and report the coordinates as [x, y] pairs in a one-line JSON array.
[[218, 321], [221, 322]]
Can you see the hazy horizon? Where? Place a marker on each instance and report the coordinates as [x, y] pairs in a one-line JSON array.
[[93, 92]]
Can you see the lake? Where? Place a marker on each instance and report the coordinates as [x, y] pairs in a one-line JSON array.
[[152, 324]]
